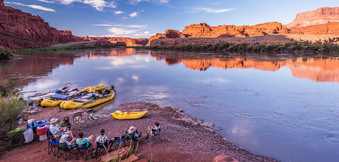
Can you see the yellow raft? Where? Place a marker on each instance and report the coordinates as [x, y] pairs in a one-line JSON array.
[[128, 115], [50, 102], [93, 89], [86, 103]]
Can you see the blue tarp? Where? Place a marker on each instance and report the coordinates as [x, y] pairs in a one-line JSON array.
[[59, 96]]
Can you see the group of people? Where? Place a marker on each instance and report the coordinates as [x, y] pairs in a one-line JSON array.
[[64, 133]]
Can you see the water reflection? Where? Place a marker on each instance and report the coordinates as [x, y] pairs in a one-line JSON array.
[[260, 102]]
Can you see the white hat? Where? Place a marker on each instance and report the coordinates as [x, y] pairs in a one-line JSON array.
[[131, 129], [54, 120]]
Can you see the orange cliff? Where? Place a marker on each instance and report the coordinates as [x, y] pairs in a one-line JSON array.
[[316, 17], [126, 41], [203, 30], [323, 21], [23, 30]]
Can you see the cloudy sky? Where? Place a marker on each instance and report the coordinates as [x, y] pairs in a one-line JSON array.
[[143, 18]]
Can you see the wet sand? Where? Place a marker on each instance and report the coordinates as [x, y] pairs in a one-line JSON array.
[[183, 138]]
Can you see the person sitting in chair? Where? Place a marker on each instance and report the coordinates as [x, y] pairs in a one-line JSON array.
[[66, 123], [66, 140], [133, 133], [84, 142], [102, 139], [55, 129], [153, 131]]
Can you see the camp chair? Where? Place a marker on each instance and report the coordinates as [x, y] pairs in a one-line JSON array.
[[132, 138], [154, 135], [64, 151], [83, 151], [77, 118], [102, 148], [119, 142], [52, 143], [91, 115]]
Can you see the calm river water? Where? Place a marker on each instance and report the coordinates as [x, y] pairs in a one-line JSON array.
[[286, 108]]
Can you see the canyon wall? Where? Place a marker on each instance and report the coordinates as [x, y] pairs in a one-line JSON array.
[[127, 41], [316, 17], [323, 21], [23, 30]]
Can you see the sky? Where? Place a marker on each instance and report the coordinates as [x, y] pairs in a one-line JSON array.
[[144, 18]]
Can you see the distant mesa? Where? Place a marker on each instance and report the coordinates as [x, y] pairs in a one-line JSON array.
[[323, 21], [316, 17]]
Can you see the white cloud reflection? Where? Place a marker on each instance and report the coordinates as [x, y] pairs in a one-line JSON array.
[[132, 62]]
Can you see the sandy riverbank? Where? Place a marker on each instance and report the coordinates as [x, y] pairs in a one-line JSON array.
[[183, 138]]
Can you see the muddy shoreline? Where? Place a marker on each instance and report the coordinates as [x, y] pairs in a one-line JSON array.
[[183, 137]]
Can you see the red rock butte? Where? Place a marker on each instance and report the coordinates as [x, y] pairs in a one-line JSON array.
[[316, 17]]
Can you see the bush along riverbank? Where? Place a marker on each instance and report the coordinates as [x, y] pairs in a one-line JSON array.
[[304, 46], [5, 54], [11, 108]]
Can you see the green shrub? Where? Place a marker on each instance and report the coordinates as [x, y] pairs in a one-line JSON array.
[[5, 54], [11, 108]]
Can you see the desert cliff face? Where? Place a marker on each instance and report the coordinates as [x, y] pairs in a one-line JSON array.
[[330, 28], [125, 40], [23, 30], [316, 17], [323, 21], [204, 30]]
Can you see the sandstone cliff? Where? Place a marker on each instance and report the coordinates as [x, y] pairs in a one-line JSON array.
[[316, 17], [330, 28], [125, 40], [203, 30], [23, 30]]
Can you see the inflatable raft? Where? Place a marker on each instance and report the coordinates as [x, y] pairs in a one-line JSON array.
[[82, 103], [128, 115]]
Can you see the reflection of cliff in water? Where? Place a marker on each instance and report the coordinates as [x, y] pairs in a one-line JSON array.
[[317, 69], [29, 67], [32, 66]]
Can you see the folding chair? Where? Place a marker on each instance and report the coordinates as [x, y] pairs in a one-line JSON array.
[[119, 142], [132, 138], [154, 135], [52, 144], [102, 148], [82, 151], [91, 115], [65, 152], [77, 118]]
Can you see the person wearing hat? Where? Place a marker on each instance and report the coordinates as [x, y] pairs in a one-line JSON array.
[[55, 129], [132, 133]]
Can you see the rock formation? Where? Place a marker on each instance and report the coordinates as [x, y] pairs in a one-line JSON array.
[[127, 41], [316, 17], [23, 30], [204, 30], [330, 28]]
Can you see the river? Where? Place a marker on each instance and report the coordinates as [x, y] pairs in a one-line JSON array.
[[282, 107]]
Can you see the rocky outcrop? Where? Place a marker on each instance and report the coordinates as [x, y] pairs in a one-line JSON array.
[[316, 17], [23, 30], [330, 28], [204, 30], [127, 41], [168, 34]]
